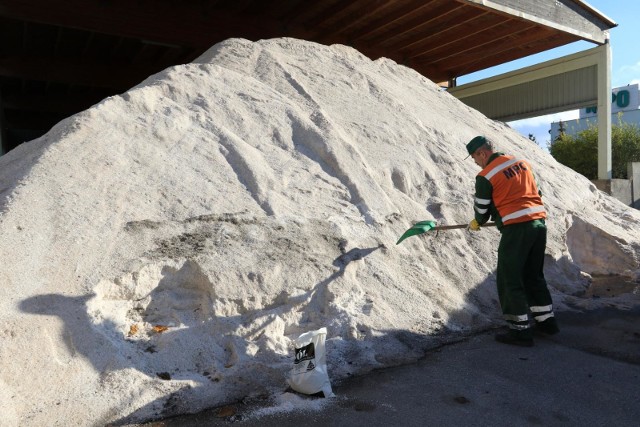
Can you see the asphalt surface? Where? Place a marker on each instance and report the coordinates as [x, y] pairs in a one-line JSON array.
[[588, 374]]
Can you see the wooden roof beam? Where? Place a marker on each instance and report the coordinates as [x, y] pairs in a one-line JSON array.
[[305, 10], [412, 24], [336, 11], [468, 26], [342, 28], [74, 72], [470, 64], [487, 37], [133, 20], [65, 104], [405, 11], [593, 34]]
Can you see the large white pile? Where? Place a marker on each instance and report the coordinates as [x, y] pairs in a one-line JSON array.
[[241, 200]]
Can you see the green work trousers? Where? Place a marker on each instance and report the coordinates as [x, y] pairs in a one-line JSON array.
[[520, 277]]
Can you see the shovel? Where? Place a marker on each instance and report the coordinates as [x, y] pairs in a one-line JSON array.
[[424, 226]]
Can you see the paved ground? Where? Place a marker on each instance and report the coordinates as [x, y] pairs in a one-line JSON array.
[[589, 374]]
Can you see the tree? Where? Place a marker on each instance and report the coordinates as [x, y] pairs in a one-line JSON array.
[[580, 151]]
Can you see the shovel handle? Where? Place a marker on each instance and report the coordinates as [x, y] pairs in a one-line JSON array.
[[453, 227]]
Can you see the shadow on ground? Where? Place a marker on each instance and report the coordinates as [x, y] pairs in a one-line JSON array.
[[585, 374]]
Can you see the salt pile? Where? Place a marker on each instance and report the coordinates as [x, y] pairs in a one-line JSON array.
[[161, 250]]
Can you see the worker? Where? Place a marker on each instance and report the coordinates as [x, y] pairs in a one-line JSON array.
[[506, 191]]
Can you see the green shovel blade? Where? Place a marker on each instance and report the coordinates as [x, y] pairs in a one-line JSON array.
[[417, 228]]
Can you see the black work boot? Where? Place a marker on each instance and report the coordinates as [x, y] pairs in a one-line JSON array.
[[521, 338], [548, 327]]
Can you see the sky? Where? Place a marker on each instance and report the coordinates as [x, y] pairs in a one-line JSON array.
[[625, 68]]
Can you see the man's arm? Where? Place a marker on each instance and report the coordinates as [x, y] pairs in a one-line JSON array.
[[482, 201], [536, 181]]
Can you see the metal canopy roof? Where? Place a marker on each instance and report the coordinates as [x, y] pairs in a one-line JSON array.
[[60, 57]]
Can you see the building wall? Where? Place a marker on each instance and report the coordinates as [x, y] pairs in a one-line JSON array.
[[625, 190], [625, 104], [572, 127]]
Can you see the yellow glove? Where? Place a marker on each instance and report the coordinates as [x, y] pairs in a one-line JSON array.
[[473, 225]]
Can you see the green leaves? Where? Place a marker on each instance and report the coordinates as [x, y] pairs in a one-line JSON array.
[[580, 151]]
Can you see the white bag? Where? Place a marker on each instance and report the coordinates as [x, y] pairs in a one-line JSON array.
[[309, 374]]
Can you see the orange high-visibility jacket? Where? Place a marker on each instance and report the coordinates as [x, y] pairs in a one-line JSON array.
[[507, 187]]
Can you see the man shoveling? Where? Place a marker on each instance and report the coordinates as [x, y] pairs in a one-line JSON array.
[[506, 191]]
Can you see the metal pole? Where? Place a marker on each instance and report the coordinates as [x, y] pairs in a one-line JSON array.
[[604, 112]]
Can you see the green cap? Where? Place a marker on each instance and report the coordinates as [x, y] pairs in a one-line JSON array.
[[475, 143]]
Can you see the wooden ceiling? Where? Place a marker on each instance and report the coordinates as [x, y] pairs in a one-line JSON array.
[[60, 57]]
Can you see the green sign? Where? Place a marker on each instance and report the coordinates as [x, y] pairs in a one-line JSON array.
[[622, 99]]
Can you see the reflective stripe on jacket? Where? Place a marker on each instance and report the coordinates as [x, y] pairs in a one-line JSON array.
[[514, 192]]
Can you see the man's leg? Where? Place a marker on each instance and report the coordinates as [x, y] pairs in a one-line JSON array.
[[538, 295], [512, 256]]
